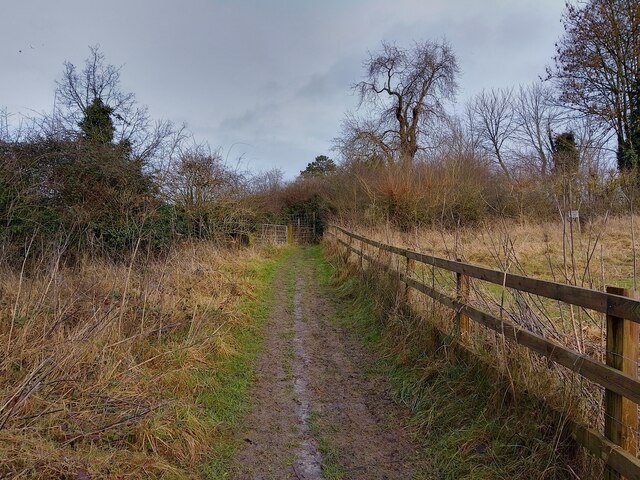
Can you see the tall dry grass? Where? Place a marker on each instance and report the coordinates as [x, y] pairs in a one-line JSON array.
[[553, 250], [100, 362], [475, 411], [596, 254]]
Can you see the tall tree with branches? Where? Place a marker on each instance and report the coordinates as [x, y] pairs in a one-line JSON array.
[[597, 67], [92, 99], [404, 89], [496, 123], [78, 91], [537, 116]]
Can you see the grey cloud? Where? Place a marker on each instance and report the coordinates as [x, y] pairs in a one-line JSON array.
[[274, 75], [334, 82], [258, 121]]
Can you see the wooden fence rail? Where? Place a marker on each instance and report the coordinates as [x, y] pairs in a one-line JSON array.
[[619, 378]]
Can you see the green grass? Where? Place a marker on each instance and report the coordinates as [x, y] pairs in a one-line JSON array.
[[331, 468], [227, 402], [464, 413]]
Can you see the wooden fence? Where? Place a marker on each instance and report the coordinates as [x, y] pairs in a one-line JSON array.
[[617, 447]]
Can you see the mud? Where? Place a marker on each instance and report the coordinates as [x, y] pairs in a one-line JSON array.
[[271, 430], [316, 384]]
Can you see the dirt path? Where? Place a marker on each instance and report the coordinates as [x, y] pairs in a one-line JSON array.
[[315, 393]]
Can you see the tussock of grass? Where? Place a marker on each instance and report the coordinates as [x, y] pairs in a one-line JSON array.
[[331, 468], [136, 369], [475, 422]]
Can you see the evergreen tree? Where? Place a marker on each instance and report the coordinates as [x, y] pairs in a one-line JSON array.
[[97, 124], [566, 158], [320, 167]]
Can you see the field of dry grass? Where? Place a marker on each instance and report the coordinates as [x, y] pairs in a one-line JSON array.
[[597, 253], [110, 368]]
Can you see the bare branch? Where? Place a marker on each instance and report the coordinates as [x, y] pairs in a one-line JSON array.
[[404, 88]]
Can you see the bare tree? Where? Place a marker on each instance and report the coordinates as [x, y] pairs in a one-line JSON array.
[[537, 117], [597, 67], [404, 89], [207, 190], [268, 181], [456, 137], [77, 91], [496, 123], [591, 141]]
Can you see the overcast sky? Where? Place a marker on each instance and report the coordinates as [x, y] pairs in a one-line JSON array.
[[269, 80]]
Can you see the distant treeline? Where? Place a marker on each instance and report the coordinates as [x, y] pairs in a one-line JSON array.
[[99, 175]]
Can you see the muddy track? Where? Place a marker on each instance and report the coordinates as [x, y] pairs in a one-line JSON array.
[[315, 392]]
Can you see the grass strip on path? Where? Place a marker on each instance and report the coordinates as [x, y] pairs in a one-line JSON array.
[[227, 402]]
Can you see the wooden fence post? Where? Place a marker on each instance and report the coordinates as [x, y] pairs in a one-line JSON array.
[[410, 268], [621, 414], [462, 321], [290, 233]]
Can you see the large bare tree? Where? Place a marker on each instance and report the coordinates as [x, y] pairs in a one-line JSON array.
[[207, 190], [597, 68], [403, 89], [496, 123]]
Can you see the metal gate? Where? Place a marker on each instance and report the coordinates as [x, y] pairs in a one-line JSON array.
[[298, 228], [272, 233], [303, 229]]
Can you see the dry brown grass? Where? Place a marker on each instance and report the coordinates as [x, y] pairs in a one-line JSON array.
[[600, 253], [461, 400], [99, 362], [535, 249]]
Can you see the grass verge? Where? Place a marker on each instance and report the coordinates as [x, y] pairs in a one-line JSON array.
[[472, 422]]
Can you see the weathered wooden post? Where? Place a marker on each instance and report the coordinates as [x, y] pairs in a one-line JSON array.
[[621, 414], [289, 233], [462, 321], [409, 269]]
